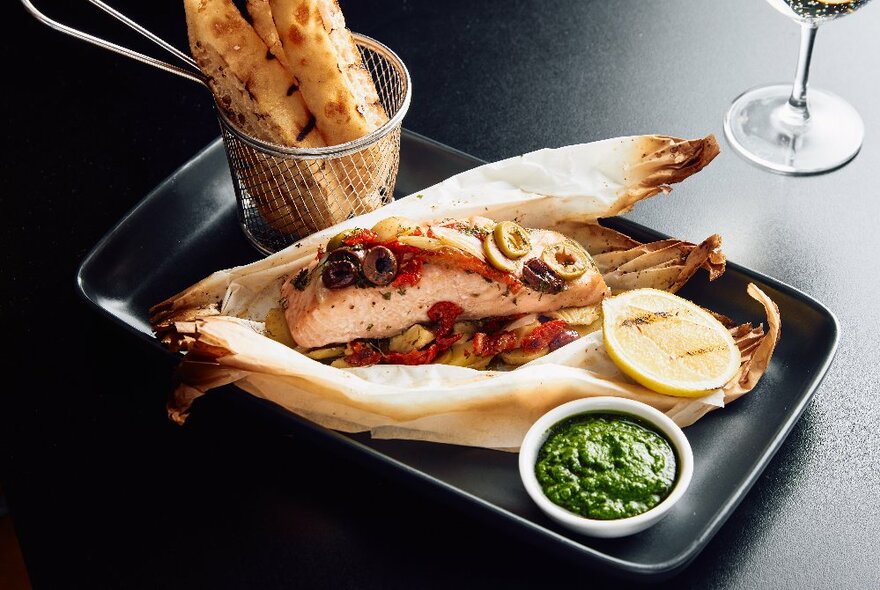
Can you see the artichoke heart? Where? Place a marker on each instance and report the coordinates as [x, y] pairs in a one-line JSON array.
[[518, 356], [326, 353], [577, 316], [462, 355], [391, 228], [416, 338]]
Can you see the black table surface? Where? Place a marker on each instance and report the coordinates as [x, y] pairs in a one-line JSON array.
[[106, 492]]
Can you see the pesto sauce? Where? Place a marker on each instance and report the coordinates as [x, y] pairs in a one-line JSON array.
[[606, 466]]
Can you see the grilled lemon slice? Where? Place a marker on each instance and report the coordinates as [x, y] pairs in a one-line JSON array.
[[667, 343]]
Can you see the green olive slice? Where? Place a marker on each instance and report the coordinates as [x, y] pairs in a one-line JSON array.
[[512, 240], [338, 240], [494, 256], [567, 260]]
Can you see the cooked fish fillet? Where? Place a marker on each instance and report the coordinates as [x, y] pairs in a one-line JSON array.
[[318, 316]]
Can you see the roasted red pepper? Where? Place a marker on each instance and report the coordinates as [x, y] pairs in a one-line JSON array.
[[401, 250], [492, 344], [409, 264], [365, 237], [468, 262], [542, 335], [362, 354], [410, 260], [409, 272]]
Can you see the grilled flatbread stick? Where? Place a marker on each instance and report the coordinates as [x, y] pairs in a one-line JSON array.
[[324, 58], [250, 85], [264, 25], [339, 91], [263, 99]]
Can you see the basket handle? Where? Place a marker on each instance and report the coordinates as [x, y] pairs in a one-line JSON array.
[[190, 74]]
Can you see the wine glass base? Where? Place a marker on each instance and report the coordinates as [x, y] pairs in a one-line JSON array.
[[769, 133]]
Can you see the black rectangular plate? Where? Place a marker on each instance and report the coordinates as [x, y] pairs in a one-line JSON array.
[[136, 266]]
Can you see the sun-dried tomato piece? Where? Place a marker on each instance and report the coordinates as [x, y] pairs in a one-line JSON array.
[[542, 335], [362, 354], [492, 344], [364, 237], [492, 325], [421, 357], [443, 314], [444, 342], [413, 357]]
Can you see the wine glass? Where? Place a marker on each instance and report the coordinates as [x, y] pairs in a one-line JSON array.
[[782, 129]]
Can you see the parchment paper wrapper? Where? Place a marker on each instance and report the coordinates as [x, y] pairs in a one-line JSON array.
[[219, 321]]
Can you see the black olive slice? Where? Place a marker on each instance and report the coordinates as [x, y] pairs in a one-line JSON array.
[[339, 274], [353, 256], [540, 277], [380, 266]]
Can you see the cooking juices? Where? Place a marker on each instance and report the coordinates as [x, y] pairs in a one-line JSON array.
[[606, 466]]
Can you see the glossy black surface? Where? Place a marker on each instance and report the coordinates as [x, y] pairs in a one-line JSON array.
[[106, 493], [123, 282]]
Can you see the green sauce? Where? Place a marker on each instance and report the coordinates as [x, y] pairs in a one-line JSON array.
[[606, 466]]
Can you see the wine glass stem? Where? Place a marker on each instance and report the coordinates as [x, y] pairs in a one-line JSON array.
[[797, 103]]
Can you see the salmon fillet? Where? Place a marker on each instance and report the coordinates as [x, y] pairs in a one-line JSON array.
[[318, 316]]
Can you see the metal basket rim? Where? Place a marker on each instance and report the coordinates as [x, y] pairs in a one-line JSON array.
[[341, 149]]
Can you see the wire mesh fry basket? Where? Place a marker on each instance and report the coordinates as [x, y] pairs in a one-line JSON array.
[[285, 193]]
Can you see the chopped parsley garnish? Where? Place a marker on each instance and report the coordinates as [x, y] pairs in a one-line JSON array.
[[301, 280]]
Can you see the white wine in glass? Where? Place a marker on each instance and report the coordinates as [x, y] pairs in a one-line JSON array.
[[781, 127]]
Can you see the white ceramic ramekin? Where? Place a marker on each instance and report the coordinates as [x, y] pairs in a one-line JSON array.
[[620, 527]]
